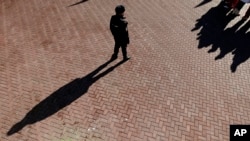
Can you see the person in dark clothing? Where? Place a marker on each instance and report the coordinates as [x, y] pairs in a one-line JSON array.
[[230, 3], [119, 30]]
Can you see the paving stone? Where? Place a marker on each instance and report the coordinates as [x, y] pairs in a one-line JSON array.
[[57, 84]]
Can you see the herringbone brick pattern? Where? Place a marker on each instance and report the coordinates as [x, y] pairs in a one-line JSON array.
[[56, 83]]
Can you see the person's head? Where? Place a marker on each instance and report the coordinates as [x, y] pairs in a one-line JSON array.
[[119, 10]]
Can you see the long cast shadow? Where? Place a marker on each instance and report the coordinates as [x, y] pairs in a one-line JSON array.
[[236, 40], [82, 1], [62, 97], [242, 43], [229, 40], [203, 3]]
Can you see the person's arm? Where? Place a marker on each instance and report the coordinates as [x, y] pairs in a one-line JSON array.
[[113, 26]]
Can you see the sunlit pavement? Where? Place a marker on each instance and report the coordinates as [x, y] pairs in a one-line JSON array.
[[57, 83]]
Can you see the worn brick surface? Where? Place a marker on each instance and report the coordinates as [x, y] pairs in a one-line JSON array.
[[56, 83]]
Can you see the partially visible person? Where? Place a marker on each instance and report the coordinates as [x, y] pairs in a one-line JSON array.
[[239, 6], [231, 3]]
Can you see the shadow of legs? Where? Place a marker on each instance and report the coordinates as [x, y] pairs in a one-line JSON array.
[[62, 97]]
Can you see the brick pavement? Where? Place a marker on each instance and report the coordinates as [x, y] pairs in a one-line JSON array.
[[56, 83]]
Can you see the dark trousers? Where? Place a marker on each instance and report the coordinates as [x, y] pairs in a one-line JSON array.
[[116, 49]]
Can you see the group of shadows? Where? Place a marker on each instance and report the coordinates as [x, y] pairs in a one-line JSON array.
[[234, 39], [212, 32]]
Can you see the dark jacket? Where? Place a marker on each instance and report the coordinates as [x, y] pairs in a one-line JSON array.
[[119, 29]]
